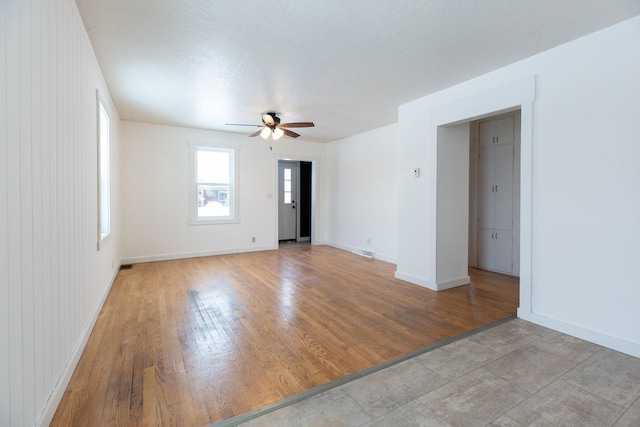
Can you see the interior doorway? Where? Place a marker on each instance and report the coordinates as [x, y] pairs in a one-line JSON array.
[[295, 200], [517, 95], [459, 236]]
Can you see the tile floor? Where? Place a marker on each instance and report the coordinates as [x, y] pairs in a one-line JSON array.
[[512, 374]]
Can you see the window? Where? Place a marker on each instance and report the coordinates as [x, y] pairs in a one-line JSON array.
[[287, 186], [104, 175], [213, 187]]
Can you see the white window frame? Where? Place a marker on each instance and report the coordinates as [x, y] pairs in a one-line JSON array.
[[233, 197], [104, 172]]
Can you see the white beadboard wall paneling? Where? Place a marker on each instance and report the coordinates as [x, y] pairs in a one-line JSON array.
[[37, 189], [13, 226], [52, 280], [51, 131], [4, 229], [28, 215], [46, 295]]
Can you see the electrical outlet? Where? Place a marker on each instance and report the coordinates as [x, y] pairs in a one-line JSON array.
[[253, 239]]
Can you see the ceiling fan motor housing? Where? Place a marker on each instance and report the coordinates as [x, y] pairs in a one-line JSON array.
[[275, 118]]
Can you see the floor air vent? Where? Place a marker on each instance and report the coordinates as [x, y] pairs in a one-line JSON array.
[[362, 252]]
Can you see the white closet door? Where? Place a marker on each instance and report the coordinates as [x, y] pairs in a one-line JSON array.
[[486, 182], [498, 131], [485, 249], [495, 250], [502, 253], [503, 187]]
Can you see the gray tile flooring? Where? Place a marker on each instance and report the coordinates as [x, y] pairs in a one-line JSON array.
[[512, 374]]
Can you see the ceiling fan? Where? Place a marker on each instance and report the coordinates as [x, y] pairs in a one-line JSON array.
[[272, 127]]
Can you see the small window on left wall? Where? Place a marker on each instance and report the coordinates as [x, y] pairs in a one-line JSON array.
[[104, 175]]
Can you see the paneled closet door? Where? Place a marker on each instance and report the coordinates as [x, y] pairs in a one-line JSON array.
[[503, 190], [497, 131], [502, 251], [495, 187], [485, 249], [495, 250], [486, 184]]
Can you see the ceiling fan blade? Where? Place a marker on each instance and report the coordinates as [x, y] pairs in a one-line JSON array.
[[297, 125], [290, 133], [268, 119], [240, 124]]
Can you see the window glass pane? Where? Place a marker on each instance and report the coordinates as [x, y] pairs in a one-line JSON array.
[[104, 173], [287, 174], [287, 198], [287, 186], [213, 200], [213, 166]]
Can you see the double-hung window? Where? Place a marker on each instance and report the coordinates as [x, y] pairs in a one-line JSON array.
[[104, 175], [213, 185]]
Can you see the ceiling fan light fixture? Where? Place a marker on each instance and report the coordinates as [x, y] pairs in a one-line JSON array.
[[265, 133], [271, 126], [277, 133]]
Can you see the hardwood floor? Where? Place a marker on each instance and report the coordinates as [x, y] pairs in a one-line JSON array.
[[194, 341]]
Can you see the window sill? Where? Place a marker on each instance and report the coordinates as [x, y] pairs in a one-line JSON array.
[[213, 221], [104, 239]]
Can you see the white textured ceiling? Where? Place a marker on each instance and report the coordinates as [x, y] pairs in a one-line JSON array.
[[346, 65]]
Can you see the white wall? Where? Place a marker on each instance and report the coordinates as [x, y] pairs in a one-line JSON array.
[[363, 192], [155, 168], [580, 167], [52, 278], [452, 234]]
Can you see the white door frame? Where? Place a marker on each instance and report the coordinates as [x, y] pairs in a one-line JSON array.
[[519, 94], [315, 167]]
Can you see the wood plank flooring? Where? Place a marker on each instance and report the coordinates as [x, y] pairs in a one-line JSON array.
[[194, 341]]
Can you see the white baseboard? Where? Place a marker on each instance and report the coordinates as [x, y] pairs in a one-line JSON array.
[[523, 313], [415, 280], [51, 406], [385, 258], [379, 256], [441, 286], [614, 343], [339, 246], [167, 257], [452, 283]]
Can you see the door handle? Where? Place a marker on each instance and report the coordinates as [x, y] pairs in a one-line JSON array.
[[293, 206]]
